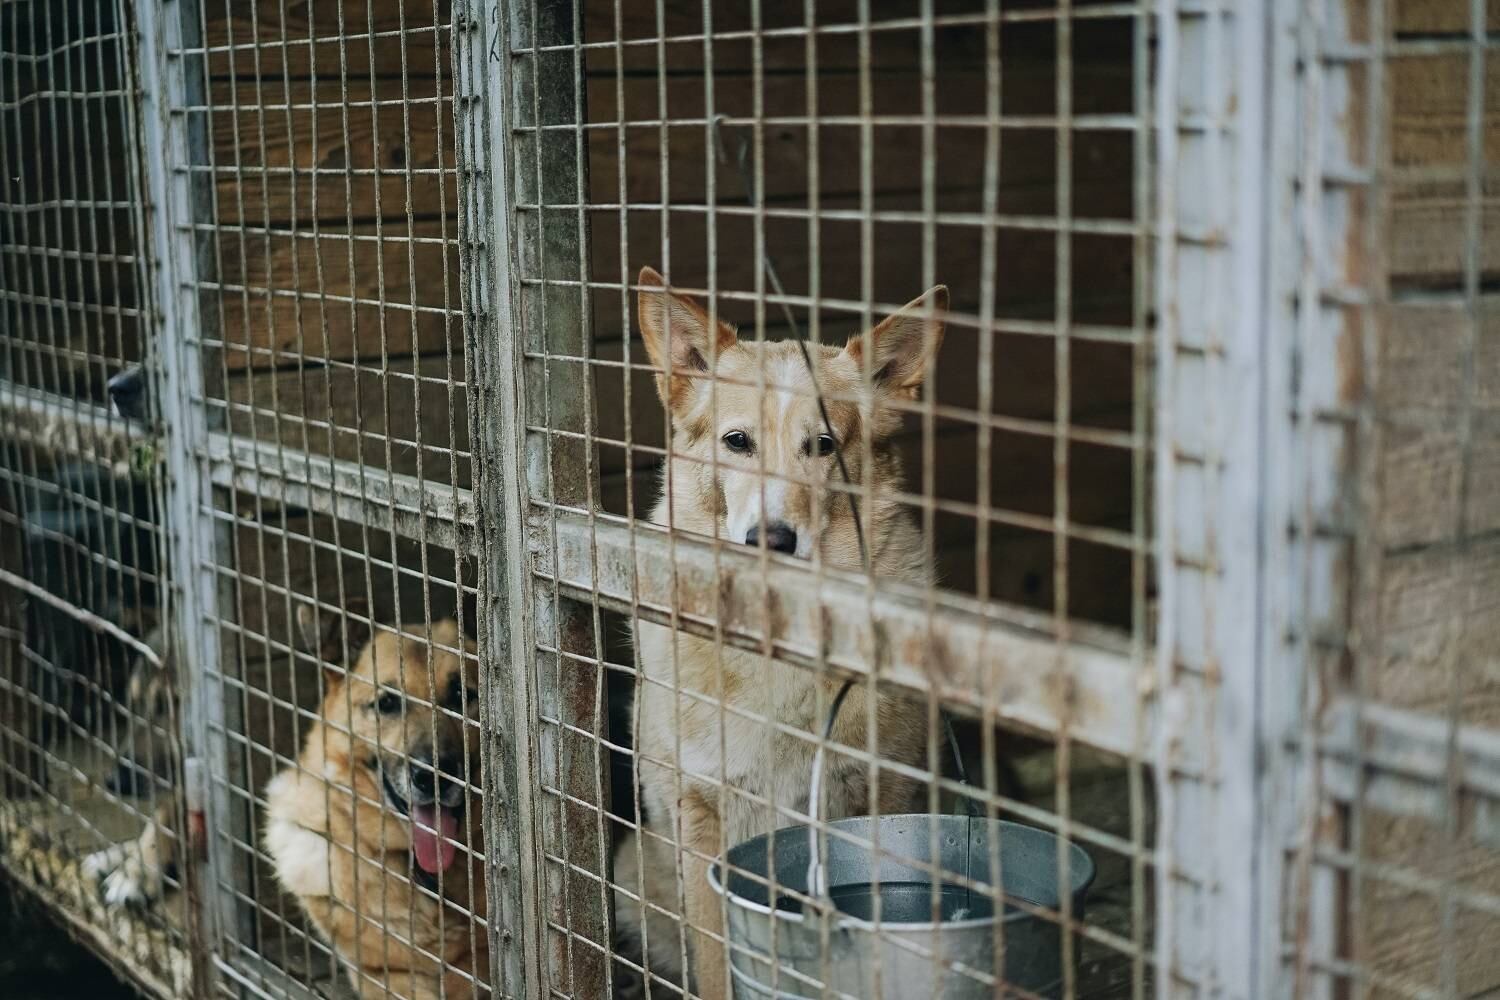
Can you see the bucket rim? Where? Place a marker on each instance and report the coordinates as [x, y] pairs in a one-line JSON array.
[[846, 921]]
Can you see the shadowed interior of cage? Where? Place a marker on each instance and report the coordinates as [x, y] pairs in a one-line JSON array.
[[803, 175], [90, 753]]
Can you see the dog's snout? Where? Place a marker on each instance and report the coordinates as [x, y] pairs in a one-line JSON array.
[[780, 537], [127, 390], [433, 781]]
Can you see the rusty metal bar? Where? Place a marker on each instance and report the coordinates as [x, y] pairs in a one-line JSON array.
[[492, 352], [831, 621]]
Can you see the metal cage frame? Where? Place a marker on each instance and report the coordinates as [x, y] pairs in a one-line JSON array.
[[1259, 247]]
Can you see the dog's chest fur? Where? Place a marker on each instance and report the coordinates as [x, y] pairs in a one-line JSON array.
[[757, 758]]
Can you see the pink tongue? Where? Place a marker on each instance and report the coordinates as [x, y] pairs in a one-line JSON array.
[[433, 832]]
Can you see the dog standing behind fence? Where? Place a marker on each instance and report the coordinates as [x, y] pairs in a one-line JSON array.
[[724, 435], [370, 829]]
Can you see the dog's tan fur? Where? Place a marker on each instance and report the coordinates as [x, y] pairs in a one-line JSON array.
[[719, 384], [344, 851]]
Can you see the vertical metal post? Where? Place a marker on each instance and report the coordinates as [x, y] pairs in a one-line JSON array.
[[548, 170], [172, 140], [1211, 378], [1244, 471], [493, 357]]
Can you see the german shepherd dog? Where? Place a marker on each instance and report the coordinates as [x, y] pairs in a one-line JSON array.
[[740, 409], [137, 872], [370, 829]]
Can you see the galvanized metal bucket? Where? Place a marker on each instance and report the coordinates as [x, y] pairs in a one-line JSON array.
[[908, 955]]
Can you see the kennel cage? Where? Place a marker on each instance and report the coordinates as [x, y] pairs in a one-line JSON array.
[[1205, 463]]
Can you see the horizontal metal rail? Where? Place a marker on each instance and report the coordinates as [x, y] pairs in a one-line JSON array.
[[1398, 760], [968, 653]]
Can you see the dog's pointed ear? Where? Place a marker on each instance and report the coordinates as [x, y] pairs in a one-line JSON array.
[[677, 336], [903, 344], [323, 633]]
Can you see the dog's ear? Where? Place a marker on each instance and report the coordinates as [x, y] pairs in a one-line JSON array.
[[323, 633], [676, 331], [903, 344]]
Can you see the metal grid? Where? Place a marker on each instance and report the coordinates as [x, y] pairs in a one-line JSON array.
[[802, 173], [1399, 102], [312, 177], [1191, 549], [87, 666]]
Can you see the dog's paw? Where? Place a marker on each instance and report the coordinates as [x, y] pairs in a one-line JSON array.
[[124, 878], [99, 864]]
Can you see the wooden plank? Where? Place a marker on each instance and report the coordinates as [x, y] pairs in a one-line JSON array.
[[362, 415], [1424, 18], [1028, 157], [1403, 935], [304, 555], [894, 38], [273, 301], [306, 40], [1422, 657], [1025, 261], [1420, 391], [277, 146], [1429, 133]]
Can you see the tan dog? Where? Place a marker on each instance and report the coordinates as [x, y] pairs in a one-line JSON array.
[[726, 429], [370, 830]]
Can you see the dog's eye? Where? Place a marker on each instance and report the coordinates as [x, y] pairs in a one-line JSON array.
[[825, 444], [737, 441], [389, 703]]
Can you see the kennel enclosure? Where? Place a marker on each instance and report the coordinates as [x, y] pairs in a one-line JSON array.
[[1207, 462]]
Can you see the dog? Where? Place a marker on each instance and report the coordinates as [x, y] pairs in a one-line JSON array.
[[130, 391], [137, 872], [370, 830], [728, 425]]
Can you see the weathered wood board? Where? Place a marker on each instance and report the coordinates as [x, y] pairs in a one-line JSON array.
[[337, 151], [1429, 150], [299, 38], [341, 294], [391, 420]]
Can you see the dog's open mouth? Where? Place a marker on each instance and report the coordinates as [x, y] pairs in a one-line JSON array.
[[434, 830]]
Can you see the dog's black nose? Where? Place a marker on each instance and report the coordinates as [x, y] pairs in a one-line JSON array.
[[127, 389], [779, 537], [430, 782]]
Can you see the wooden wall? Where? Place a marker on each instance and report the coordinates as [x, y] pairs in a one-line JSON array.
[[336, 201], [1430, 603], [625, 89]]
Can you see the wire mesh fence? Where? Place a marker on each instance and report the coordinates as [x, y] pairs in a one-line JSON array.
[[91, 747], [599, 499]]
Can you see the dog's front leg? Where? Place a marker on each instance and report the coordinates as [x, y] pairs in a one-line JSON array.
[[700, 841]]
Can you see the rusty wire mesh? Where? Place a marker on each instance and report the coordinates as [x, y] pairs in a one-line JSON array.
[[90, 742], [399, 278], [802, 173]]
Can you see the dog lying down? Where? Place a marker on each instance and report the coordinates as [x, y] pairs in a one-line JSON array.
[[137, 872], [371, 830]]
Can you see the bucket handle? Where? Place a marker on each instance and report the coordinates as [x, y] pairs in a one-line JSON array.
[[817, 874]]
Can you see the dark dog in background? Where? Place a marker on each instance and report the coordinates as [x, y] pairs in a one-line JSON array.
[[88, 540]]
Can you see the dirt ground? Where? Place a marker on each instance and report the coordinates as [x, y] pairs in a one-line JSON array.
[[40, 961]]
